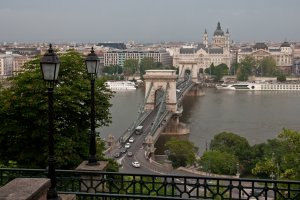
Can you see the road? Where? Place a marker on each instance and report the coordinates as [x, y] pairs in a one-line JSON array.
[[150, 167]]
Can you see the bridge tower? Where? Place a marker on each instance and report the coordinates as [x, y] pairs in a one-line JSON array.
[[188, 67], [160, 80]]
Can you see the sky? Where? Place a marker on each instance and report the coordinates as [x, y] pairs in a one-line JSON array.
[[146, 21]]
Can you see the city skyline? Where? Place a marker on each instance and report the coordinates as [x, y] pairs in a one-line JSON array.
[[147, 21]]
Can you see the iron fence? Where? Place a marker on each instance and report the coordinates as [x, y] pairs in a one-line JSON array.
[[109, 185]]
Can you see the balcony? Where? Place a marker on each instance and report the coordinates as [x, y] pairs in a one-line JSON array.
[[111, 185]]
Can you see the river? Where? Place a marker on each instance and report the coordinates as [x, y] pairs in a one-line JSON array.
[[255, 115]]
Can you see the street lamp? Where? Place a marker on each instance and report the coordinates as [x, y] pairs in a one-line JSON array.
[[92, 63], [50, 68]]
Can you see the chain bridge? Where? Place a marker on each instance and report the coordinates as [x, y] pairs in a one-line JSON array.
[[162, 106]]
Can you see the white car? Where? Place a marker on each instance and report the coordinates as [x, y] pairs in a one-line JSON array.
[[131, 140], [136, 164], [127, 145]]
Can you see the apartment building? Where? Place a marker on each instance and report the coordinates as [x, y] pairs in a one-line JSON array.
[[18, 62], [6, 65], [118, 57], [11, 64]]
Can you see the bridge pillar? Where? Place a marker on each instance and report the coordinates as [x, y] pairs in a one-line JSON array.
[[150, 149], [196, 90], [173, 124], [192, 67], [160, 80]]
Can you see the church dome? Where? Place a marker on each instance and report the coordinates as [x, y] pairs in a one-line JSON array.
[[285, 44], [219, 31], [260, 45]]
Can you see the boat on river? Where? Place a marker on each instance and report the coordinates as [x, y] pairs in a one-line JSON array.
[[120, 85], [264, 86]]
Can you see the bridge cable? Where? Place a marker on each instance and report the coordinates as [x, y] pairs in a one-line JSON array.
[[158, 114], [132, 127]]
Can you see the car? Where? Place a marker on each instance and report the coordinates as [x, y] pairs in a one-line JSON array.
[[139, 130], [136, 164], [127, 145], [129, 154], [124, 150], [131, 140], [117, 155]]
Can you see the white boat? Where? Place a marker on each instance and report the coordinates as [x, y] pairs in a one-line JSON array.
[[120, 85], [258, 86]]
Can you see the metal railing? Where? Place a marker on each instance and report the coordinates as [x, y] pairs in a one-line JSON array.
[[109, 185]]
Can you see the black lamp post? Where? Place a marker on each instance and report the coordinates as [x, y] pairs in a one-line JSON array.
[[92, 65], [50, 68]]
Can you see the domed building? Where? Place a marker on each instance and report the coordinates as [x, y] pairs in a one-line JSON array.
[[220, 39], [197, 58]]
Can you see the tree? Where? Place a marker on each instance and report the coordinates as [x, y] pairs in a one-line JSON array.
[[280, 157], [281, 77], [231, 143], [234, 68], [235, 145], [267, 66], [219, 162], [131, 66], [290, 161], [219, 71], [246, 68], [210, 70], [23, 115], [113, 69], [185, 155], [148, 63], [265, 168]]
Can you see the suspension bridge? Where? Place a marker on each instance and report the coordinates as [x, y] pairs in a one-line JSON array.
[[162, 106]]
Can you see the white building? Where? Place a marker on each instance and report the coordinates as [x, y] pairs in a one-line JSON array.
[[6, 65], [11, 64], [118, 57], [282, 55]]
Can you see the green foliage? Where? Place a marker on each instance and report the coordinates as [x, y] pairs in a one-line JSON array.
[[246, 68], [217, 71], [279, 156], [220, 71], [235, 145], [218, 162], [9, 164], [112, 166], [210, 70], [148, 63], [281, 77], [231, 143], [131, 66], [267, 66], [112, 70], [264, 168], [234, 68], [291, 159], [24, 119], [185, 155]]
